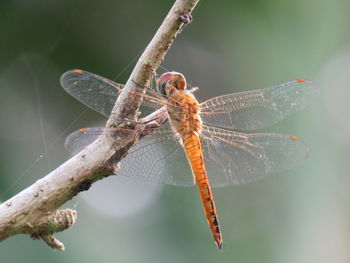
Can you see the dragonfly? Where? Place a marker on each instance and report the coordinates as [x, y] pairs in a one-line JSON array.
[[206, 144]]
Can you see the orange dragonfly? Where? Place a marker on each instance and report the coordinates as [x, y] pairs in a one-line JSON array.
[[202, 143]]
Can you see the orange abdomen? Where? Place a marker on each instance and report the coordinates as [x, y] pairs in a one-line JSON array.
[[194, 154]]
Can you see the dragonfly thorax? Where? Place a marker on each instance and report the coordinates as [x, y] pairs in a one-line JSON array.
[[182, 106], [183, 111]]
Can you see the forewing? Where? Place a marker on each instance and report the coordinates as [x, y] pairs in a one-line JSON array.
[[99, 93], [258, 109], [233, 158], [96, 92]]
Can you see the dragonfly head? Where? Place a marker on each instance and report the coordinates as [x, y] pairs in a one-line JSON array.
[[171, 82]]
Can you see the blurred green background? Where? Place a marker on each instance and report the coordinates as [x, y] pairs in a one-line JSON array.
[[301, 215]]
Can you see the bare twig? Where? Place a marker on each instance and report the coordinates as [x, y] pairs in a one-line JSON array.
[[34, 211]]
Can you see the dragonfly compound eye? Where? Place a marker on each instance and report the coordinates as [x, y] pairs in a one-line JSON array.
[[164, 82], [170, 81], [179, 81]]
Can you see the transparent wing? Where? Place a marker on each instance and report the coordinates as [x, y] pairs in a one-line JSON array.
[[99, 93], [230, 157], [78, 140], [96, 92], [236, 158], [257, 109], [156, 158]]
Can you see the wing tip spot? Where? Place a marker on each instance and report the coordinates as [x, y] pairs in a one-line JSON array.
[[82, 130], [78, 71], [294, 138], [301, 80]]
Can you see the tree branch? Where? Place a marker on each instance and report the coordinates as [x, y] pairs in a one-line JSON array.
[[34, 210]]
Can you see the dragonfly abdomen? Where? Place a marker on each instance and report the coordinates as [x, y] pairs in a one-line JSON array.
[[194, 154]]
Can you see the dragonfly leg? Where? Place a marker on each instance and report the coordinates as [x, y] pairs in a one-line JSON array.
[[140, 122], [157, 118], [130, 121]]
